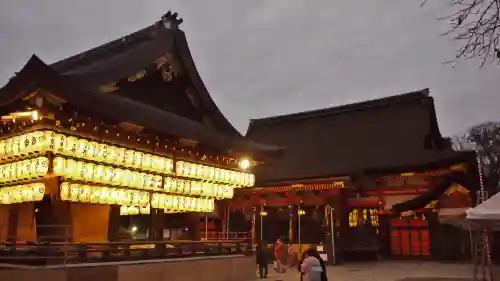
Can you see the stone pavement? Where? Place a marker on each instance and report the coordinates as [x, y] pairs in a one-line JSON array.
[[387, 271]]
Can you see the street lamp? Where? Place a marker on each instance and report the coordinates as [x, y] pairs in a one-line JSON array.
[[244, 164]]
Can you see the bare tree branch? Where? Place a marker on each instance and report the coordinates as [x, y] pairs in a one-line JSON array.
[[485, 139], [476, 25]]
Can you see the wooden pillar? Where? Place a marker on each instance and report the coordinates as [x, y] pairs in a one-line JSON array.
[[192, 221], [337, 205], [114, 223], [436, 238], [54, 218], [4, 222], [292, 213], [21, 223], [63, 219], [90, 222], [385, 234], [156, 220], [254, 221], [258, 224], [12, 222]]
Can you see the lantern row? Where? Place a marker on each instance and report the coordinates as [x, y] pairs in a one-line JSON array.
[[190, 187], [84, 193], [31, 192], [44, 141], [93, 194], [24, 170], [181, 203], [213, 174], [83, 171], [127, 211], [89, 172]]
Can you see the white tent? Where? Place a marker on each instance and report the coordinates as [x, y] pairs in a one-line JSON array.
[[489, 210]]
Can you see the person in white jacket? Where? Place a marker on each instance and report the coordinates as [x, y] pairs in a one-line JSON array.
[[312, 267]]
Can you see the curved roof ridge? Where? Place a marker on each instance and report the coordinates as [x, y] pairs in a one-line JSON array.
[[97, 52], [127, 55], [346, 108]]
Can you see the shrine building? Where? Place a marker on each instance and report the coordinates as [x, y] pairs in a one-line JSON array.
[[353, 171], [122, 132]]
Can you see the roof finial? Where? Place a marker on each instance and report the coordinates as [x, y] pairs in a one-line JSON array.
[[171, 21]]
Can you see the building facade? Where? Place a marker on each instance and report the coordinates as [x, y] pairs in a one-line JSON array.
[[124, 129], [354, 171]]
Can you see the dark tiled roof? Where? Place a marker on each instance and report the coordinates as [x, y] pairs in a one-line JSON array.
[[37, 74], [126, 56], [394, 132]]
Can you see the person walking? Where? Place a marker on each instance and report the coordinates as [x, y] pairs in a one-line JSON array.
[[280, 253], [261, 256], [312, 267]]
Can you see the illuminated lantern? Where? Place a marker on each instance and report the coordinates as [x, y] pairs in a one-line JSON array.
[[89, 171], [111, 154], [46, 140], [112, 196], [92, 148], [145, 210], [81, 149], [129, 158], [2, 150], [86, 193], [99, 173], [102, 152], [94, 195], [24, 144], [71, 146], [188, 203], [168, 184], [187, 187], [228, 192], [199, 171], [195, 188], [155, 200], [252, 180], [210, 204], [146, 163], [137, 159], [179, 165], [15, 146], [168, 204], [169, 165], [157, 182], [205, 173], [180, 203], [74, 192], [8, 147], [64, 191], [120, 156], [175, 203]]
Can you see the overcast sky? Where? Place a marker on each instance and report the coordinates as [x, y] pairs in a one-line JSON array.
[[262, 58]]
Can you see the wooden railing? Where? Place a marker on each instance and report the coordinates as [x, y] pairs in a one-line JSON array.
[[69, 253], [218, 235]]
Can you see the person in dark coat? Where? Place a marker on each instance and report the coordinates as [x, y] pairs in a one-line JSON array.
[[262, 259]]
